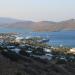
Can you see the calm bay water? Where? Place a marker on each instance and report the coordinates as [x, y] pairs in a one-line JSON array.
[[65, 38]]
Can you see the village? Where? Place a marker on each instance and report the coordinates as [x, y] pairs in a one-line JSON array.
[[15, 47]]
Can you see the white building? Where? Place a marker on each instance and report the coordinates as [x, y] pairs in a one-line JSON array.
[[72, 50], [47, 50], [18, 39]]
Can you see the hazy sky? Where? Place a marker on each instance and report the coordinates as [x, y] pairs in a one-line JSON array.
[[37, 10]]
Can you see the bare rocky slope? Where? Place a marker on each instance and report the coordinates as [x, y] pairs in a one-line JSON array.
[[38, 26], [44, 25]]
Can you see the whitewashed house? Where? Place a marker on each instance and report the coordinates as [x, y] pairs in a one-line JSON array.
[[18, 39], [47, 50], [72, 50]]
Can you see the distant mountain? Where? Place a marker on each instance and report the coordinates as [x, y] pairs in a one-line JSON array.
[[39, 26], [4, 21]]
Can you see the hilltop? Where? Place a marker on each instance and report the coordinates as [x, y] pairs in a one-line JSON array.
[[39, 26]]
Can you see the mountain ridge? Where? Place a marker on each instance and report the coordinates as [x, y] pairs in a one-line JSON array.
[[41, 25]]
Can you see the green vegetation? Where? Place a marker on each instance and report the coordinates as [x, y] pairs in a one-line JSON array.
[[35, 38], [40, 45], [61, 50]]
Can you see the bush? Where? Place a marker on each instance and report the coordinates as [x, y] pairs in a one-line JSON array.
[[12, 55], [22, 52]]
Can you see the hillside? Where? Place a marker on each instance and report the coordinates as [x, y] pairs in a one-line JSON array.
[[32, 66], [4, 21], [40, 26], [45, 25]]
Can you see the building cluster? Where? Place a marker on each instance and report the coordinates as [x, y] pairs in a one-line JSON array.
[[23, 47]]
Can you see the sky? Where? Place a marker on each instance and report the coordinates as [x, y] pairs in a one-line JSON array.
[[38, 10]]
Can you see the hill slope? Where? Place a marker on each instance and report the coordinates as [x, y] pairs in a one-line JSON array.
[[42, 25], [45, 25], [32, 66]]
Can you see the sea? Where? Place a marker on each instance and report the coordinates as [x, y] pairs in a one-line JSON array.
[[59, 38]]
